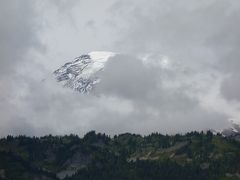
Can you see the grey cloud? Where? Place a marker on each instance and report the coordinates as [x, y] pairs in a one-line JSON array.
[[225, 44], [188, 31], [127, 101], [156, 107], [91, 24], [230, 87], [18, 33], [64, 5], [203, 34], [199, 37], [126, 76], [145, 120]]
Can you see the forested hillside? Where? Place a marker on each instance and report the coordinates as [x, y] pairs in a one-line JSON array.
[[127, 156]]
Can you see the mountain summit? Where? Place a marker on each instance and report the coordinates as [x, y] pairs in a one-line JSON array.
[[80, 74]]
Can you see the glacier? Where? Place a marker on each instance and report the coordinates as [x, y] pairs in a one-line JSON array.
[[80, 74]]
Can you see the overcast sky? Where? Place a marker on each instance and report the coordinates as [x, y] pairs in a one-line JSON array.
[[196, 87]]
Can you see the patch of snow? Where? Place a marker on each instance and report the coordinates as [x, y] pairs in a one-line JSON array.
[[80, 74]]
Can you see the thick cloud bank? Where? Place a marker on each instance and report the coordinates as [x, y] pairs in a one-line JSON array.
[[177, 67]]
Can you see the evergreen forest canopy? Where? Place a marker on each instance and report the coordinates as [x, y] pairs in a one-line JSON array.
[[195, 155]]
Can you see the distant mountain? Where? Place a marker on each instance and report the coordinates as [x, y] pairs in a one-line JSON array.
[[195, 155], [80, 74], [232, 132]]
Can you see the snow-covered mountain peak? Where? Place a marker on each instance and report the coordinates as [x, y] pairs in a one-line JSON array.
[[80, 74]]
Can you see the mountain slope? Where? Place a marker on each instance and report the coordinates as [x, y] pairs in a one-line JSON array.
[[80, 74]]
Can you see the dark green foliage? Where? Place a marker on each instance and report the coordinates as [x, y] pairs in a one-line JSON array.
[[141, 170], [126, 156]]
